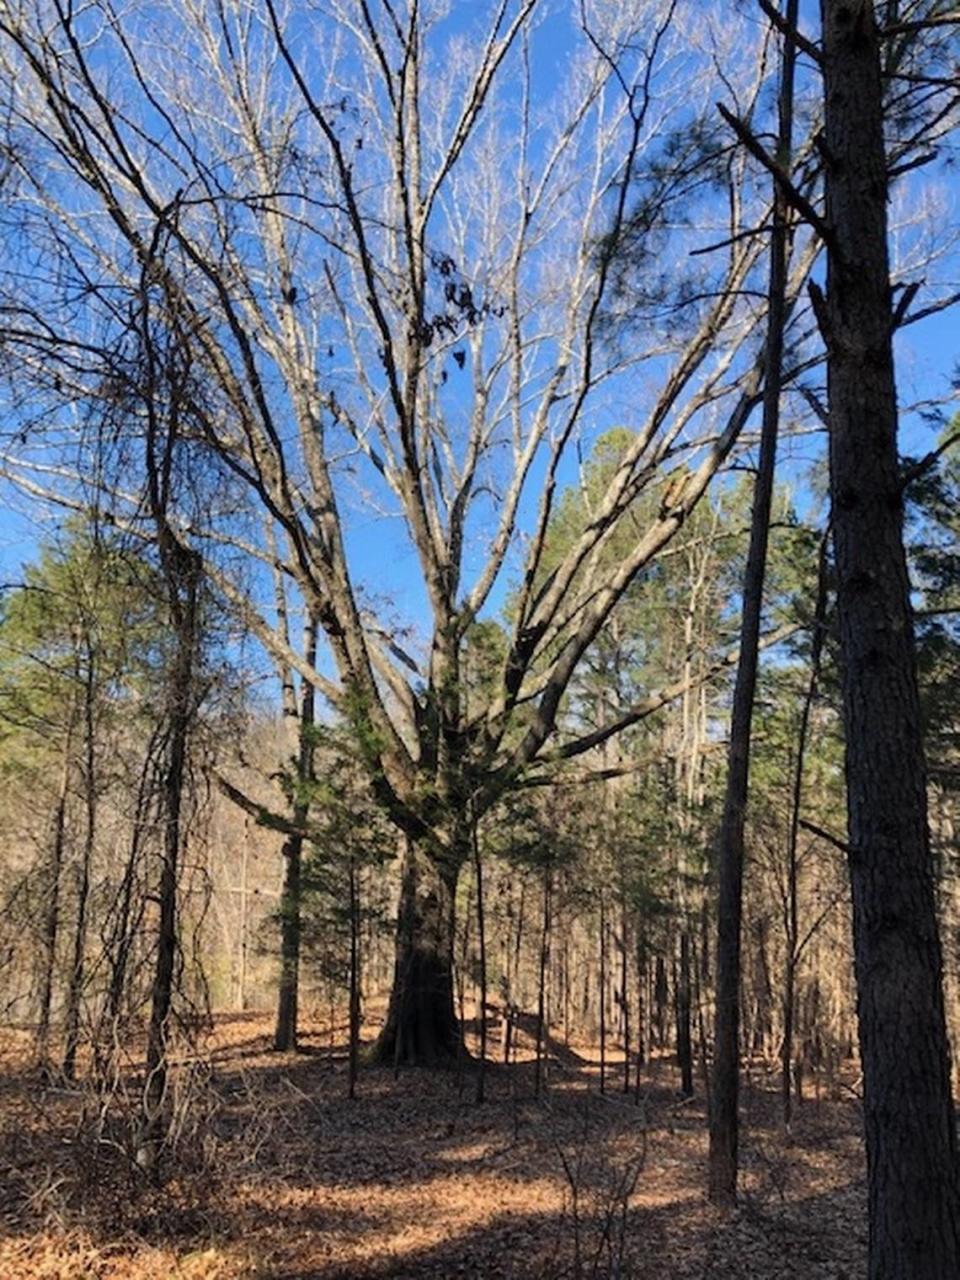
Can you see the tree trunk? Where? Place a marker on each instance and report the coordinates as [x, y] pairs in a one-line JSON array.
[[354, 1050], [660, 997], [602, 993], [725, 1089], [51, 925], [421, 1027], [482, 938], [128, 919], [288, 993], [183, 570], [791, 913], [285, 1033], [78, 966], [683, 1000], [624, 994], [539, 1067], [908, 1110]]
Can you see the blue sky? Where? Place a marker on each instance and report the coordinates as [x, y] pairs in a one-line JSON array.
[[928, 357]]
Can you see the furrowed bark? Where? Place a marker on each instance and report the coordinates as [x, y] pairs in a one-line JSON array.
[[421, 1028], [914, 1231]]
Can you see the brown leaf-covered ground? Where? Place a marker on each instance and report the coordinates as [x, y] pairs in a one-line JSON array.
[[278, 1175]]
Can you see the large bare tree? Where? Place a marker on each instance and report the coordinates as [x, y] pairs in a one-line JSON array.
[[385, 245]]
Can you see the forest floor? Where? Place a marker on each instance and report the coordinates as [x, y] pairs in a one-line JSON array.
[[277, 1174]]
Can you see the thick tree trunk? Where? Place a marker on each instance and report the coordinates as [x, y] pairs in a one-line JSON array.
[[421, 1027], [908, 1113]]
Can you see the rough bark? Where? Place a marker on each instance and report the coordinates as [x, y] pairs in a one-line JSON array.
[[908, 1110], [421, 1028]]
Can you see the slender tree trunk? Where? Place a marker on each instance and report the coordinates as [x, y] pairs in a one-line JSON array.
[[513, 968], [643, 1005], [625, 994], [354, 1052], [565, 969], [660, 997], [602, 992], [51, 925], [421, 1027], [792, 921], [642, 969], [539, 1071], [725, 1090], [288, 994], [460, 977], [127, 920], [183, 573], [482, 939], [683, 999], [78, 966], [914, 1211]]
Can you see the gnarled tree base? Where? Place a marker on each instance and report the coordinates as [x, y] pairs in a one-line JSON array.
[[421, 1028]]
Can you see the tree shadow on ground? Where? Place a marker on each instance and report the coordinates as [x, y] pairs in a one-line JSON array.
[[281, 1170]]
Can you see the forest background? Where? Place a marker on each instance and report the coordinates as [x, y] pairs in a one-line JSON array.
[[380, 441]]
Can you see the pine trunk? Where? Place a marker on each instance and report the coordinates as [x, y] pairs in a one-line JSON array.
[[908, 1111]]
